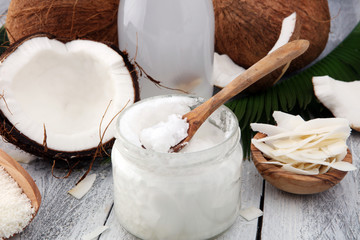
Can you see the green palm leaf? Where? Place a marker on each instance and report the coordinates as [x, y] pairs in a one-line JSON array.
[[295, 94], [4, 41]]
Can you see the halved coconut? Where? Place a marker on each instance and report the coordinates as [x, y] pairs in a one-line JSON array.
[[56, 95], [225, 70]]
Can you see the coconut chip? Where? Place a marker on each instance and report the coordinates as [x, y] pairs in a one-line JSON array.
[[340, 98], [92, 235], [250, 213], [287, 30], [83, 187], [305, 147]]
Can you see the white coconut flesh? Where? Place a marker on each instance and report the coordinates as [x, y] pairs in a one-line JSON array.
[[341, 98], [66, 88], [287, 30]]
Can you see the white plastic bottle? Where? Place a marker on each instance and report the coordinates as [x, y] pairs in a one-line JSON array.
[[172, 41]]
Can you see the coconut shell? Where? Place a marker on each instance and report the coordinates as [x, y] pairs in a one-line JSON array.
[[247, 30], [270, 79], [70, 19], [11, 134]]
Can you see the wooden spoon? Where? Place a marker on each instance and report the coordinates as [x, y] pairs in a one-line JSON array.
[[266, 65], [23, 178]]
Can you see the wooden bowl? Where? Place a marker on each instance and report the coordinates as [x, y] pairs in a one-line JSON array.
[[293, 182], [23, 178]]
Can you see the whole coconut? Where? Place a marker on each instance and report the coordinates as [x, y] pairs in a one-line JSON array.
[[246, 30], [67, 19]]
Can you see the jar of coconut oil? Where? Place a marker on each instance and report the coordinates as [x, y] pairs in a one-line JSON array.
[[193, 194]]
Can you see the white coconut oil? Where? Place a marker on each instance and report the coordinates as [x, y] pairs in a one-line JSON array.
[[172, 41], [194, 194]]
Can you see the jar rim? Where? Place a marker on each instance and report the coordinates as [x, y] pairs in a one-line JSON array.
[[186, 155]]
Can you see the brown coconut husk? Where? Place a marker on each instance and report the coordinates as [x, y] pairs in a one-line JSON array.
[[247, 30], [70, 19]]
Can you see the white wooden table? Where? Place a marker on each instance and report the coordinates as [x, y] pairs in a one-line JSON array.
[[334, 214]]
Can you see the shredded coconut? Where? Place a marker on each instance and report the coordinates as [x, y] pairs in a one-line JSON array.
[[16, 210], [166, 134]]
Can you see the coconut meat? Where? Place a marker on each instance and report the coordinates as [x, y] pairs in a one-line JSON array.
[[287, 30], [224, 70], [59, 93], [340, 98]]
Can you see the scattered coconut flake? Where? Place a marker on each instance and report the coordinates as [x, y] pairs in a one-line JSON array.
[[305, 147], [166, 134], [251, 213], [340, 98], [287, 29], [92, 235], [83, 187]]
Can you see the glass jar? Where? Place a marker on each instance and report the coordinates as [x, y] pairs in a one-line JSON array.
[[177, 196], [172, 41]]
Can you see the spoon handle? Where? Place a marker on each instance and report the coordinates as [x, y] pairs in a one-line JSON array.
[[266, 65]]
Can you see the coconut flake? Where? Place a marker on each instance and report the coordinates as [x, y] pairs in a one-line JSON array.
[[267, 129], [340, 98], [92, 235], [343, 166], [287, 121], [290, 168], [287, 30], [251, 213], [83, 187], [225, 70]]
